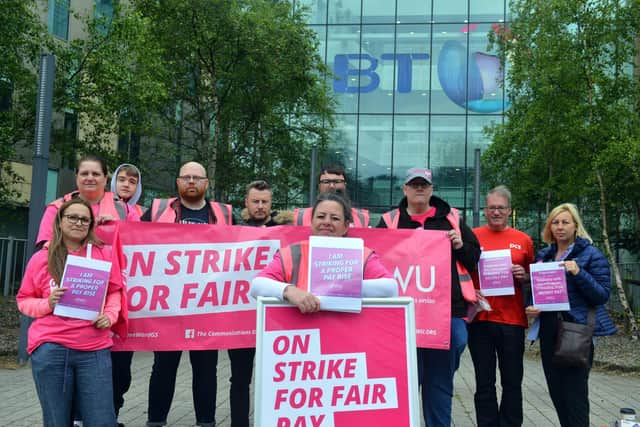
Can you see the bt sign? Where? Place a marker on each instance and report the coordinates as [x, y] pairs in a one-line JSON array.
[[475, 91], [343, 72]]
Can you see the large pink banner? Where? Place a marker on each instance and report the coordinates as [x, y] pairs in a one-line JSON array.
[[188, 284]]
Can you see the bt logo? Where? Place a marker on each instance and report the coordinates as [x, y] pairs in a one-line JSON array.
[[368, 64]]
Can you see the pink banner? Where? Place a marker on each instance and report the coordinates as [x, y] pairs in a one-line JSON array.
[[188, 284], [336, 369]]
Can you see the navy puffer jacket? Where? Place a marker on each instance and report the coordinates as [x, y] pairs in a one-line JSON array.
[[590, 287]]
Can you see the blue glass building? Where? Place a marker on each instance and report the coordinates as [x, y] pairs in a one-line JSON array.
[[415, 86]]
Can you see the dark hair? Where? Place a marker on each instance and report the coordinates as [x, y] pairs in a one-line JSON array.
[[259, 185], [93, 158], [57, 256], [129, 170], [333, 196], [332, 169]]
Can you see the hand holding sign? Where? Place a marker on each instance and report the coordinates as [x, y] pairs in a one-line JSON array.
[[306, 302], [55, 295]]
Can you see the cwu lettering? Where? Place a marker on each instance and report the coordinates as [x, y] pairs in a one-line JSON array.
[[367, 71]]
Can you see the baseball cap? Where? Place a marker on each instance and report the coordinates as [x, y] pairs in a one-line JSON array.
[[414, 173]]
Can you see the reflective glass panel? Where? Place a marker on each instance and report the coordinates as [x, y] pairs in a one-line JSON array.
[[412, 11], [447, 158], [343, 60], [450, 10], [316, 10], [377, 66], [449, 69], [374, 160], [344, 11], [410, 149], [378, 12], [413, 62], [486, 10]]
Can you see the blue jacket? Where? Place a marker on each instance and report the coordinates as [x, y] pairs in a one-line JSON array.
[[590, 287]]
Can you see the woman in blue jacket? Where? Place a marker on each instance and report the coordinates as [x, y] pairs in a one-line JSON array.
[[588, 286]]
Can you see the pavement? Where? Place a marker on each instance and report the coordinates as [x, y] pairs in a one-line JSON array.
[[609, 392]]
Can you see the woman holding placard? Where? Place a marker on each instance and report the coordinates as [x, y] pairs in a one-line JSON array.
[[588, 286], [331, 216], [70, 357]]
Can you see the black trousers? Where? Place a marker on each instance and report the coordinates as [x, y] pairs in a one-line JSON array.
[[490, 342], [568, 386], [241, 373], [163, 383], [121, 375]]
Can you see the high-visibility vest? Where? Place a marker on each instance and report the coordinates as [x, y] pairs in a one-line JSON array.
[[295, 263], [302, 216], [392, 218], [161, 211], [107, 206]]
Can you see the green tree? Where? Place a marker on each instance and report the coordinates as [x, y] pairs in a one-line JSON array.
[[574, 108], [249, 87], [113, 79], [22, 39]]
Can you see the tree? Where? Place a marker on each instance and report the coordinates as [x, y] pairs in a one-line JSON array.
[[574, 108], [249, 90], [22, 39], [113, 79]]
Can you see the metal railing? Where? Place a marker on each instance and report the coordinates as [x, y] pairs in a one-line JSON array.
[[13, 260]]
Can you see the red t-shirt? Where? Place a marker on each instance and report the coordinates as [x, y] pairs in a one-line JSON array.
[[507, 309]]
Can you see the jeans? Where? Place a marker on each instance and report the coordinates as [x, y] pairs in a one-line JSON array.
[[436, 369], [204, 385], [568, 386], [241, 372], [490, 342], [121, 375], [66, 377]]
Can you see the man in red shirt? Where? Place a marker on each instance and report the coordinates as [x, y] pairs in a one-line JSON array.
[[499, 333]]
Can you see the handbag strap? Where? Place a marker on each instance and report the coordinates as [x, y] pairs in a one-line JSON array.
[[591, 318]]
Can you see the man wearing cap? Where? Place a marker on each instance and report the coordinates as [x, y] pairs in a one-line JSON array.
[[332, 178], [419, 208]]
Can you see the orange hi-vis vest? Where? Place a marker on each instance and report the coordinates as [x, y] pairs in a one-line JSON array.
[[392, 218], [107, 206], [161, 211], [302, 216], [295, 263]]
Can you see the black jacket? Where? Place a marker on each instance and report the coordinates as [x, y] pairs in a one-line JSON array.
[[468, 254]]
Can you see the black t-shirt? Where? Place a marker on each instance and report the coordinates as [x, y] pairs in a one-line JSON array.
[[190, 216]]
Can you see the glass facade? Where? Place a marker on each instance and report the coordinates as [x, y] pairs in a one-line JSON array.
[[58, 18], [415, 86]]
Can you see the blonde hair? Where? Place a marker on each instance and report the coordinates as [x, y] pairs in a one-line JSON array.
[[57, 251], [547, 236]]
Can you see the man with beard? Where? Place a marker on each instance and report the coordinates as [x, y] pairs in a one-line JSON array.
[[257, 211], [191, 207]]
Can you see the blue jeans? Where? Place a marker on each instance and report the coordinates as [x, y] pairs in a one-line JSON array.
[[435, 375], [66, 377]]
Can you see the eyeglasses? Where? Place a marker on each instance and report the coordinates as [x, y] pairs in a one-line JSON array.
[[75, 219], [418, 185], [497, 208], [332, 181], [194, 178]]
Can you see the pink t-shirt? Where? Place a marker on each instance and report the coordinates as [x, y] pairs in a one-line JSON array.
[[78, 334]]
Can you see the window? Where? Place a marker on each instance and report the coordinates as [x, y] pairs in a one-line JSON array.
[[59, 18]]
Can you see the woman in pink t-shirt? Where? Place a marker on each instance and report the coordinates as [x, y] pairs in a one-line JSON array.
[[70, 357]]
